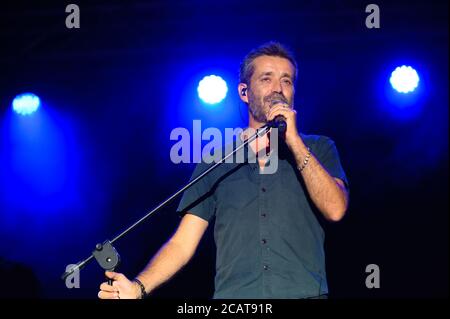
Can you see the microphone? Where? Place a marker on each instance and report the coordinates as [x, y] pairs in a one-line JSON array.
[[279, 121]]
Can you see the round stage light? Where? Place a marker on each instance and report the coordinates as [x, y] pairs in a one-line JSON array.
[[404, 79], [26, 103], [212, 89]]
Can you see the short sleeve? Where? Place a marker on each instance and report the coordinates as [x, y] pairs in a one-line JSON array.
[[198, 199], [328, 156]]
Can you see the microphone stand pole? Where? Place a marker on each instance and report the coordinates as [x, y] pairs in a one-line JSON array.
[[107, 256]]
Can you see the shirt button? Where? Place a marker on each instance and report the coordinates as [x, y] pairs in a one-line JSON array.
[[263, 215], [263, 190], [266, 267], [263, 241]]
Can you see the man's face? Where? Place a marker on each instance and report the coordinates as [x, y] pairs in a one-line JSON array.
[[272, 80]]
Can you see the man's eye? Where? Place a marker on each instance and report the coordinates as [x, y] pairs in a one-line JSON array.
[[287, 82], [265, 79]]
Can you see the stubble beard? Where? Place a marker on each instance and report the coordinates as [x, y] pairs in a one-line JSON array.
[[260, 107]]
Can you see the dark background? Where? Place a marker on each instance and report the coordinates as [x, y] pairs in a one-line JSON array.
[[95, 157]]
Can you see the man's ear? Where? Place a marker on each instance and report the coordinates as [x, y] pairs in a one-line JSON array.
[[242, 91]]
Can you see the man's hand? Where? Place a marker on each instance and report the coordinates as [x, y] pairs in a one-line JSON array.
[[291, 136], [122, 288]]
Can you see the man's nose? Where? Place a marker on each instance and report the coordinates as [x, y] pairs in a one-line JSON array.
[[277, 87]]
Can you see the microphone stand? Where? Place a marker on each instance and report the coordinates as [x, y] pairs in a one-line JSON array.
[[105, 253]]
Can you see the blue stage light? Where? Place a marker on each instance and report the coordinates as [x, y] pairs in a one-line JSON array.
[[404, 79], [26, 103], [212, 89]]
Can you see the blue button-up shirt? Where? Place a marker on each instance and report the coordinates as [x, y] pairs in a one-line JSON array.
[[268, 238]]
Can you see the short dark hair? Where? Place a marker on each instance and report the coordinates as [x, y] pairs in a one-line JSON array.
[[271, 49]]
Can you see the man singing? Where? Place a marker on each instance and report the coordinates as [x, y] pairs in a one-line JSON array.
[[268, 237]]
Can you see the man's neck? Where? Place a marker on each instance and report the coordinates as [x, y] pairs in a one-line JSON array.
[[254, 124], [261, 142]]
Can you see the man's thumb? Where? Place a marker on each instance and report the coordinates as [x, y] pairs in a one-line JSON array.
[[112, 275]]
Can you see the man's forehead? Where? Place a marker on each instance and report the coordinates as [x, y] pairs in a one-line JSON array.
[[274, 64]]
